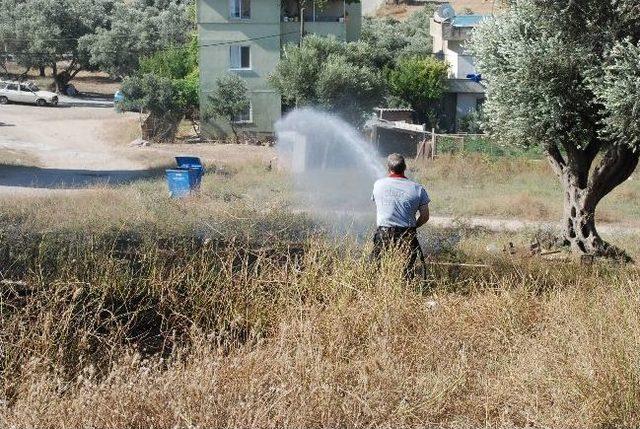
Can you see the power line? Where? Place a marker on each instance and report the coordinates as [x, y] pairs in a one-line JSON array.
[[128, 37], [206, 45], [233, 42]]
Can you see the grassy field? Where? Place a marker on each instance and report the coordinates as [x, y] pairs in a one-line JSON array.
[[512, 187], [122, 308]]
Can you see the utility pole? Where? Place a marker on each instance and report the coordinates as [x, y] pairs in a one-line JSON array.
[[301, 25]]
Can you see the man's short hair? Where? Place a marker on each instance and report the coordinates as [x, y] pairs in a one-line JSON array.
[[396, 163]]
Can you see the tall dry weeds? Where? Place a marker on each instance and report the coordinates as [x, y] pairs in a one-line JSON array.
[[190, 333]]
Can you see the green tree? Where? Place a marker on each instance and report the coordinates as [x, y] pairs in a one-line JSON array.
[[137, 29], [563, 74], [75, 35], [172, 72], [158, 97], [419, 82], [330, 74], [394, 40], [47, 32], [229, 100]]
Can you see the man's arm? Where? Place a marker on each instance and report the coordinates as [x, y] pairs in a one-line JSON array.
[[424, 215]]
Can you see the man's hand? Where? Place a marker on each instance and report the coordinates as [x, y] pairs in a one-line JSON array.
[[424, 216]]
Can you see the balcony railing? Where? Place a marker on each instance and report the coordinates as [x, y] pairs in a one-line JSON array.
[[335, 11]]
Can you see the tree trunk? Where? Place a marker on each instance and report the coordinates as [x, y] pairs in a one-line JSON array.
[[62, 80], [584, 188], [42, 71], [579, 223], [236, 139]]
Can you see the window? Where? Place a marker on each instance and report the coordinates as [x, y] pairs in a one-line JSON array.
[[240, 57], [245, 117], [240, 9], [12, 87]]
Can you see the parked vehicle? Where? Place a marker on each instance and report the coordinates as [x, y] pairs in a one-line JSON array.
[[26, 93]]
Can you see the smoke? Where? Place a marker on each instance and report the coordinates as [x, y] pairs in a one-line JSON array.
[[333, 169]]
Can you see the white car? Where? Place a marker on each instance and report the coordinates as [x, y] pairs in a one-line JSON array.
[[26, 93]]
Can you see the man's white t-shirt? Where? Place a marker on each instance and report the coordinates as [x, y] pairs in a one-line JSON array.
[[397, 201]]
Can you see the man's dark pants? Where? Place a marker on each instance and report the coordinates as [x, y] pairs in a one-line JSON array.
[[405, 239]]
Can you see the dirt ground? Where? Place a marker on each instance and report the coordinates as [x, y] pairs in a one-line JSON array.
[[401, 12], [88, 83], [44, 150]]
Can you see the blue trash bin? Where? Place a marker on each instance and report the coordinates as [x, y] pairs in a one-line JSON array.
[[192, 163], [181, 182]]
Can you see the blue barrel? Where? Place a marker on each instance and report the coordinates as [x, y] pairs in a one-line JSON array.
[[181, 182], [192, 163]]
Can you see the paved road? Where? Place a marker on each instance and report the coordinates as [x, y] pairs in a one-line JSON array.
[[44, 148]]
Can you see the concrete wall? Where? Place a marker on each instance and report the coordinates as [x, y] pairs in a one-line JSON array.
[[261, 33], [354, 22], [460, 62], [466, 66], [467, 104]]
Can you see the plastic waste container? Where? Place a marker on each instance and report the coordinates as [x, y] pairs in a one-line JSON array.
[[192, 163], [181, 182]]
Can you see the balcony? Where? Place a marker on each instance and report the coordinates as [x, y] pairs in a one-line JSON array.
[[335, 11]]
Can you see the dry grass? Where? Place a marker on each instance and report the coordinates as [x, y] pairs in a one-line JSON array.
[[511, 187], [327, 343], [133, 310]]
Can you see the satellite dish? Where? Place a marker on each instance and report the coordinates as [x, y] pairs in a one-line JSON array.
[[444, 12]]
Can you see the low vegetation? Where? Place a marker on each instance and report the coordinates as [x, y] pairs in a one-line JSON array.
[[511, 187], [229, 310]]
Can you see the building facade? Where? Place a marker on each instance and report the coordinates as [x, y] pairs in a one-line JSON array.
[[465, 92], [246, 37]]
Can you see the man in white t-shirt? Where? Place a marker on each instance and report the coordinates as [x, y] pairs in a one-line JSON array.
[[402, 207]]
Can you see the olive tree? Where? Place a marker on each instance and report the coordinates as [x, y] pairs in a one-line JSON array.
[[47, 32], [332, 75], [229, 100], [157, 96], [563, 74], [136, 29]]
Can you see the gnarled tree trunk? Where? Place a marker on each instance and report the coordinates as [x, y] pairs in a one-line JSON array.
[[584, 188], [579, 223]]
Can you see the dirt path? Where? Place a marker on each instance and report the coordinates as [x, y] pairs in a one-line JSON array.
[[516, 225], [63, 148]]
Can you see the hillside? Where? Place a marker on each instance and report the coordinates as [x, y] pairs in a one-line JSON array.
[[403, 11]]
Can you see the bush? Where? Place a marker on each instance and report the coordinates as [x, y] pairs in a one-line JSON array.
[[418, 82], [168, 88]]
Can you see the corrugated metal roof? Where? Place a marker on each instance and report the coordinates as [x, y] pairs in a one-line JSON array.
[[468, 20], [465, 86]]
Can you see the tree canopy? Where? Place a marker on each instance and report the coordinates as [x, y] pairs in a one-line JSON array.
[[346, 80], [137, 29], [394, 40], [418, 82], [45, 32], [75, 35], [563, 74], [229, 99], [167, 86]]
